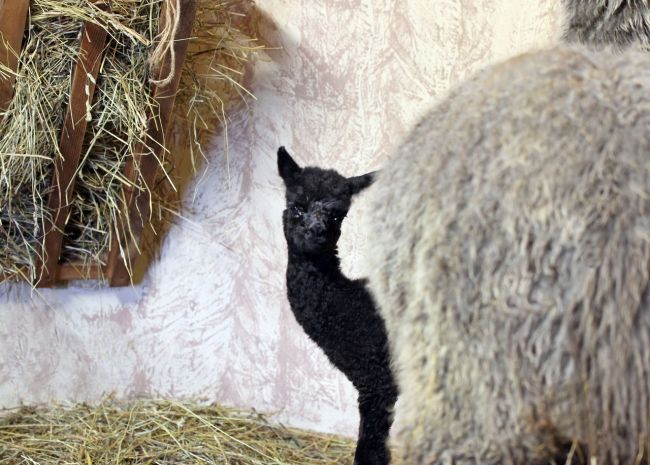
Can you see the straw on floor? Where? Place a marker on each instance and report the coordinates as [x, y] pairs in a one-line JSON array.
[[160, 432]]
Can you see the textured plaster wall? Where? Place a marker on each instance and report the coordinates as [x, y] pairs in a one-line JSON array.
[[210, 319]]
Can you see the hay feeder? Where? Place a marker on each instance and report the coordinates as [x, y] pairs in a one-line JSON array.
[[46, 264]]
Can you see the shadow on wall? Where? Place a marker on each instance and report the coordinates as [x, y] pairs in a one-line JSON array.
[[191, 165]]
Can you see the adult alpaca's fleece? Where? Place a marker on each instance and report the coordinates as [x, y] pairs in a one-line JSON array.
[[608, 22], [510, 258]]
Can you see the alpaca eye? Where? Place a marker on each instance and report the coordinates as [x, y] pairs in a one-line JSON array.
[[296, 212]]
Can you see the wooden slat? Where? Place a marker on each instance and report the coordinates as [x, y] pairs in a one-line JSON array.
[[73, 271], [137, 201], [82, 89], [67, 272], [13, 16]]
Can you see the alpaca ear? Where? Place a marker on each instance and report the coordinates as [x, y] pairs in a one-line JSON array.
[[287, 167], [359, 183]]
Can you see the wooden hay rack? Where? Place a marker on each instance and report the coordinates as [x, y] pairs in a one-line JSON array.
[[118, 263]]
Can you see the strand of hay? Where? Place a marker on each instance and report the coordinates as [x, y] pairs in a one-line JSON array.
[[160, 432], [30, 128]]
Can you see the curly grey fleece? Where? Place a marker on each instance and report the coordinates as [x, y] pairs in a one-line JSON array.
[[608, 22], [511, 260]]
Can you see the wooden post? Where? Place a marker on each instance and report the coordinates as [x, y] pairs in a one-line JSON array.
[[82, 89], [137, 206], [13, 16]]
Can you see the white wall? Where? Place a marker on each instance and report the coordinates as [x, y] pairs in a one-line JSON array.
[[211, 318]]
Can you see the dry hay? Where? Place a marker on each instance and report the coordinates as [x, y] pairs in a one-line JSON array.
[[160, 432], [30, 128]]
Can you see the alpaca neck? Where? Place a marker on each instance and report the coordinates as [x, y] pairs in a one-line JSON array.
[[326, 262]]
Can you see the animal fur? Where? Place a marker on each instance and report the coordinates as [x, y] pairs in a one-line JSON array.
[[510, 258], [336, 312], [608, 22]]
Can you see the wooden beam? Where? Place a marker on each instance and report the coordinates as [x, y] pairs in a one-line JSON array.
[[13, 16], [74, 271], [145, 159], [67, 272], [82, 89]]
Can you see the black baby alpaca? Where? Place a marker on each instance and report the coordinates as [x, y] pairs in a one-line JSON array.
[[336, 312]]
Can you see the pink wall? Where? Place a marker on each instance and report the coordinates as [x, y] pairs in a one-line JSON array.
[[211, 318]]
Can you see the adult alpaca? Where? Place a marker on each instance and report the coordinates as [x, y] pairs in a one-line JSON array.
[[510, 258]]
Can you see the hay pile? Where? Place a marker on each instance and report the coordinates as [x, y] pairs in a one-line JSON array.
[[160, 432], [30, 128]]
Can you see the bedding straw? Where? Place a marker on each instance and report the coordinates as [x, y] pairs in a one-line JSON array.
[[160, 432]]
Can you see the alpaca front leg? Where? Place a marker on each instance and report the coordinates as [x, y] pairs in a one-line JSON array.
[[376, 412]]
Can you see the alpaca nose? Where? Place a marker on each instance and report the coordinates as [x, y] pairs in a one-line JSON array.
[[316, 226]]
